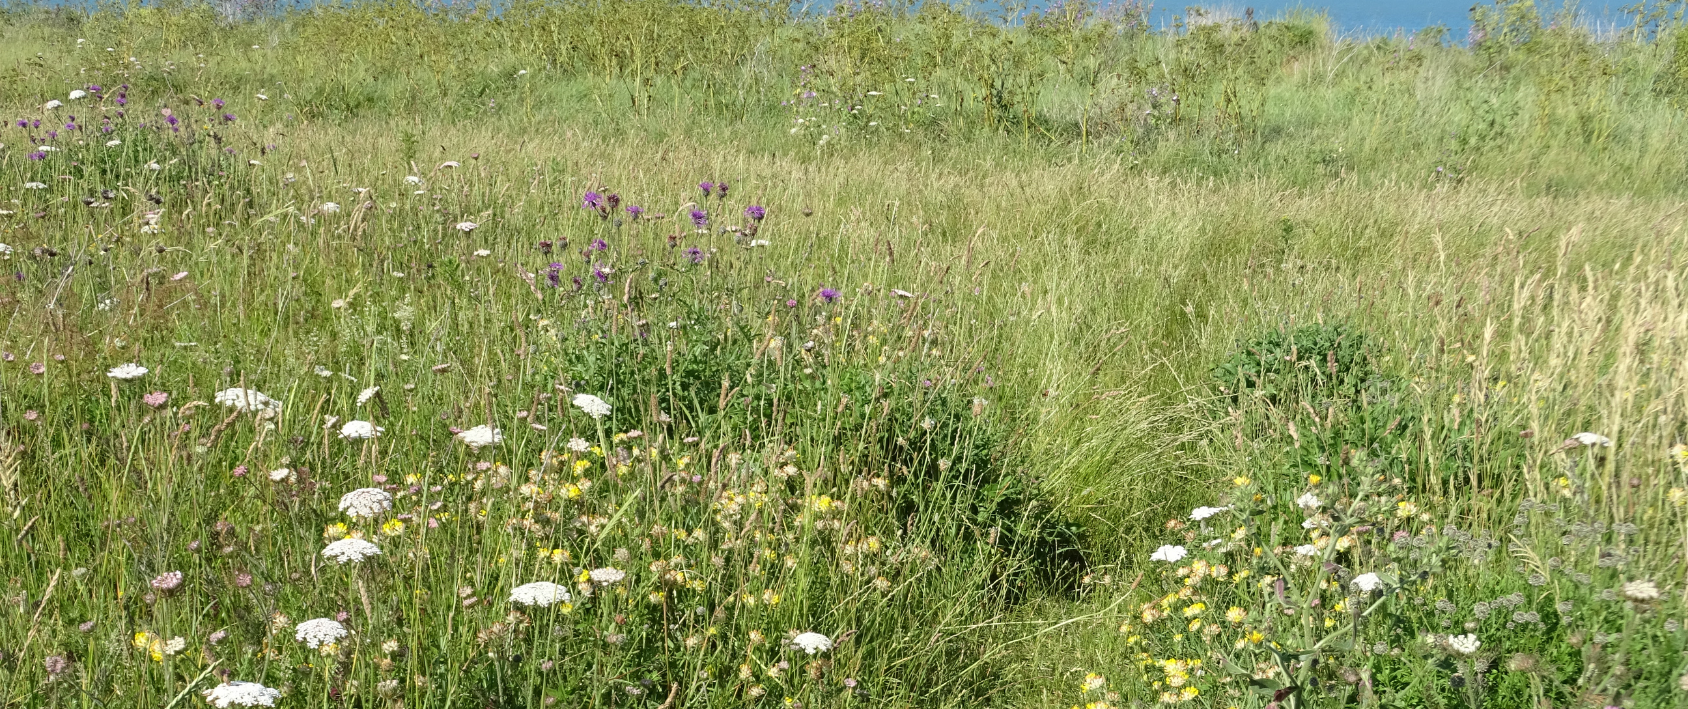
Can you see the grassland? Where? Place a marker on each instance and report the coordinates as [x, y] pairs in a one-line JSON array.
[[985, 313]]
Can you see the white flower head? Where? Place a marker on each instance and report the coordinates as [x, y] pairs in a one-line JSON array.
[[1200, 513], [241, 694], [593, 406], [1307, 550], [50, 105], [480, 437], [1641, 591], [34, 185], [1464, 644], [360, 430], [1368, 582], [1588, 438], [280, 474], [539, 593], [1169, 553], [113, 143], [319, 632], [127, 371], [607, 575], [329, 207], [812, 643], [366, 502], [350, 550], [466, 227], [246, 400], [412, 180], [482, 253], [579, 445], [76, 94], [367, 394], [1308, 502]]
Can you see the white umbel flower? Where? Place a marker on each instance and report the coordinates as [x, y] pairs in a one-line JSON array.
[[246, 400], [366, 502], [579, 445], [607, 575], [1588, 438], [466, 227], [480, 437], [1307, 550], [1641, 591], [539, 593], [812, 643], [329, 208], [1464, 644], [360, 430], [241, 694], [1169, 553], [593, 406], [319, 632], [127, 371], [1368, 582], [78, 94], [350, 550], [1200, 513], [367, 394], [1308, 502]]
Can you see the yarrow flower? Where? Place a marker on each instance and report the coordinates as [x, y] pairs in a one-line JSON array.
[[246, 400], [812, 643], [360, 430], [319, 632], [539, 593], [1368, 582], [593, 406], [480, 437], [1200, 513], [1169, 553], [606, 575], [241, 694], [350, 550], [367, 502], [127, 371]]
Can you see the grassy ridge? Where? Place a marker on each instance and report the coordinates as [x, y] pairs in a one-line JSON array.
[[953, 461]]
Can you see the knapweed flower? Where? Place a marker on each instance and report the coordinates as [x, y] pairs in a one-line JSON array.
[[1200, 513], [695, 254], [539, 593], [1169, 553], [700, 218], [127, 371], [592, 200], [812, 643], [635, 211], [593, 406], [480, 437], [466, 226], [350, 550], [318, 632], [1368, 582], [1641, 591], [241, 694], [606, 576], [707, 187], [246, 400], [360, 430], [828, 294], [366, 502], [1464, 644], [155, 399], [1308, 502], [755, 212]]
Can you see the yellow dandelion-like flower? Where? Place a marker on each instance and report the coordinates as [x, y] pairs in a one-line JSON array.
[[334, 532], [1677, 496], [1188, 693], [1314, 479], [393, 527]]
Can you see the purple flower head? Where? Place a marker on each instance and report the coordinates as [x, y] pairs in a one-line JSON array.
[[155, 399], [52, 134], [600, 273], [70, 126], [545, 247], [700, 218], [721, 189], [593, 200], [171, 119], [553, 273], [38, 155], [635, 211], [828, 294], [600, 245], [105, 128], [695, 254], [707, 187], [217, 102], [35, 123], [612, 201], [23, 123], [122, 100], [790, 303], [755, 212], [228, 118], [94, 89]]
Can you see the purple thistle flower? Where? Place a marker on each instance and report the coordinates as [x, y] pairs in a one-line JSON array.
[[790, 303], [721, 189], [52, 134], [635, 211], [105, 128], [599, 273], [700, 218], [171, 119], [38, 155], [94, 89], [695, 254], [612, 201], [35, 123], [70, 126], [593, 200], [122, 100], [23, 123], [217, 102], [554, 274], [828, 294], [545, 247], [600, 245], [577, 284], [228, 118], [755, 212], [706, 187]]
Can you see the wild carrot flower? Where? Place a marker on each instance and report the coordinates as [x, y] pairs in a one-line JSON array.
[[480, 437], [539, 593], [1169, 553], [241, 694], [37, 368], [1308, 502], [367, 502], [319, 632], [1464, 644], [155, 399], [1368, 582], [127, 371], [350, 550], [246, 400], [593, 406], [1641, 591], [467, 226], [367, 394], [606, 576], [811, 643], [360, 430], [1200, 513]]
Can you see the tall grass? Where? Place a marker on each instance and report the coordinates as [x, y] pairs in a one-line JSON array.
[[938, 405]]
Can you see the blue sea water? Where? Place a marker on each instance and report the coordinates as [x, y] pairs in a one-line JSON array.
[[1366, 17]]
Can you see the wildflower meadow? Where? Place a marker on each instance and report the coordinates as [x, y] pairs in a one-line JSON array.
[[659, 354]]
